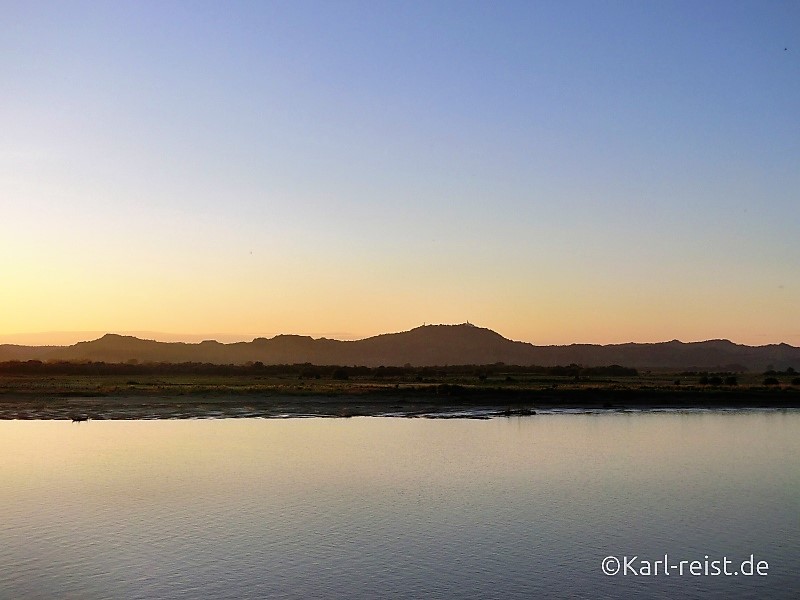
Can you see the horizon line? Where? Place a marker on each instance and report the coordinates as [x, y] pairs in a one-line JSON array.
[[70, 338]]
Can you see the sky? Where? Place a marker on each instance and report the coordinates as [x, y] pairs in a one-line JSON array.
[[560, 172]]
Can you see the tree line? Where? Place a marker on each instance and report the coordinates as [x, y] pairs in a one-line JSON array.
[[301, 371]]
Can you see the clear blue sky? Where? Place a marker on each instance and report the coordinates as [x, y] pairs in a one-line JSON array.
[[558, 171]]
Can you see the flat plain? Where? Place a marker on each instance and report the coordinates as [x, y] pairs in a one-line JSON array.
[[482, 393]]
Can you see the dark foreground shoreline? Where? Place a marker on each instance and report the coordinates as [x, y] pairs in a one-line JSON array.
[[428, 402]]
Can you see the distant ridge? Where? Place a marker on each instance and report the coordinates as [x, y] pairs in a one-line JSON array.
[[428, 345]]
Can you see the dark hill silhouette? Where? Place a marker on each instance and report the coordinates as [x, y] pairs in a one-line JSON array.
[[423, 346]]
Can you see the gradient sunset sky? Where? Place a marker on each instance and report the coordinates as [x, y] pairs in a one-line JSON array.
[[556, 171]]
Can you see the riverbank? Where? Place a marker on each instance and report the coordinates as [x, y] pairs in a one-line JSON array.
[[177, 398]]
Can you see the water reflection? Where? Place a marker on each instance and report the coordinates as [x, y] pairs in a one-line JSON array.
[[380, 507]]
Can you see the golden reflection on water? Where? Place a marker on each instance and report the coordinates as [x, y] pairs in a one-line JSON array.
[[353, 452]]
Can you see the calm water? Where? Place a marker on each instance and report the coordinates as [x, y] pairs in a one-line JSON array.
[[397, 508]]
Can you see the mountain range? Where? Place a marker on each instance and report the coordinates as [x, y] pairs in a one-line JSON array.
[[428, 345]]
